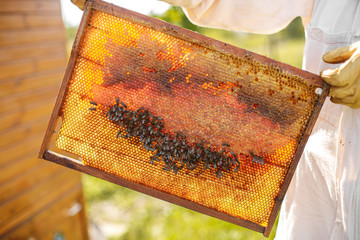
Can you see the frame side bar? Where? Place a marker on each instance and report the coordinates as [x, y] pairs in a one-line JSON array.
[[296, 160], [67, 75]]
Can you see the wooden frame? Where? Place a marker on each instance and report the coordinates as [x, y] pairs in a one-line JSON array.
[[201, 40]]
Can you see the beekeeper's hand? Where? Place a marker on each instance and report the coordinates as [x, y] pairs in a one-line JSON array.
[[79, 3], [344, 80]]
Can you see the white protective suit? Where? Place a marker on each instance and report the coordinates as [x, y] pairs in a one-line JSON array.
[[323, 199]]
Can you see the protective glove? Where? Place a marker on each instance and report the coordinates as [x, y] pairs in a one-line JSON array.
[[344, 80]]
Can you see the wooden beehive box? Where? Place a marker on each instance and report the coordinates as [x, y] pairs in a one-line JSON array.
[[182, 117], [35, 196]]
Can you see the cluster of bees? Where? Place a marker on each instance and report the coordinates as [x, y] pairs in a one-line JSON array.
[[173, 149]]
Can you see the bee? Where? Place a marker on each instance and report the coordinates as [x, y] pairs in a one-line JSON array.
[[232, 153], [93, 103], [118, 134], [125, 136], [181, 135], [233, 161], [237, 168], [146, 147], [92, 109], [262, 161], [256, 159], [123, 104], [225, 168], [205, 165], [225, 144], [219, 174], [157, 154]]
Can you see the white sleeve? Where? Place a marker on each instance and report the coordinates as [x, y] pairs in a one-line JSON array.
[[257, 16]]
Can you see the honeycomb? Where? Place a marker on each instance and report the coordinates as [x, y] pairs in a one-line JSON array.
[[183, 118]]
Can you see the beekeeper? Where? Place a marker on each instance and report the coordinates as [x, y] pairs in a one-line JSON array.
[[323, 199]]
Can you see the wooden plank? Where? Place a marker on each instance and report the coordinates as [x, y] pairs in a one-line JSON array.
[[23, 109], [30, 6], [46, 223], [36, 199], [32, 50], [28, 113], [16, 69], [14, 135], [16, 101], [16, 37], [15, 21], [12, 102], [24, 67], [28, 83], [56, 61], [42, 20], [29, 178], [17, 167], [27, 146]]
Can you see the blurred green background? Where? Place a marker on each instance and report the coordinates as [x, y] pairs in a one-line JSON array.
[[115, 212]]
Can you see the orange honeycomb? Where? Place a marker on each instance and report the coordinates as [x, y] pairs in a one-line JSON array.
[[253, 112]]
